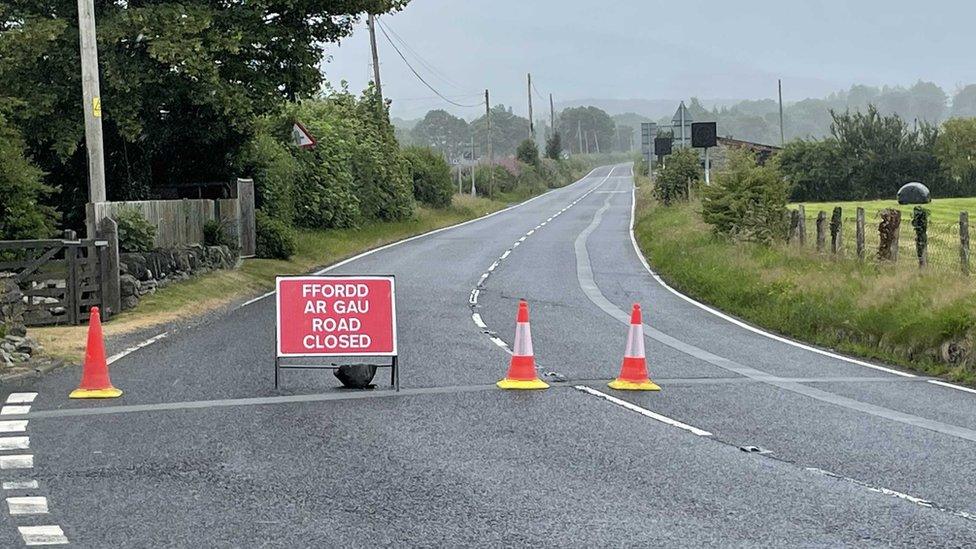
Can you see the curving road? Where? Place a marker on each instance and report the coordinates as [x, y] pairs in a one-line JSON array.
[[754, 440]]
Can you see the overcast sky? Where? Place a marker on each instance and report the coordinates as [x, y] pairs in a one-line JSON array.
[[624, 49]]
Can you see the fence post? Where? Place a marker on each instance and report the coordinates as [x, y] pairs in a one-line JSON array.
[[802, 227], [888, 234], [821, 230], [792, 236], [964, 242], [837, 231], [71, 282], [859, 233], [108, 261], [920, 222]]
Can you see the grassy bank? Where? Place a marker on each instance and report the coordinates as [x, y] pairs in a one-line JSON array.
[[200, 295], [943, 210], [922, 320]]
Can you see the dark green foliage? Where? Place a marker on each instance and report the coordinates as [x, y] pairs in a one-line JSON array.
[[507, 130], [216, 233], [747, 201], [271, 162], [136, 234], [920, 222], [275, 239], [444, 132], [584, 126], [528, 153], [22, 213], [554, 146], [431, 176], [681, 170]]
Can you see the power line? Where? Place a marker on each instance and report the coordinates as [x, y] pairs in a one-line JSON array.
[[424, 62], [415, 73]]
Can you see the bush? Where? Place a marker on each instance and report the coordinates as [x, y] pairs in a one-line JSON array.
[[681, 170], [431, 176], [136, 234], [215, 233], [527, 153], [21, 189], [275, 239], [504, 181], [275, 170], [554, 146], [747, 201]]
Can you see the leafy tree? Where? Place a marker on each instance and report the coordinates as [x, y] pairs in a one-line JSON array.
[[528, 153], [964, 102], [747, 201], [956, 148], [22, 216], [815, 170], [681, 170], [431, 176], [507, 130], [588, 125], [179, 80], [554, 146], [444, 132]]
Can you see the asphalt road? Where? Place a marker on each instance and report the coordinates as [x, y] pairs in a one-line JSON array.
[[202, 451]]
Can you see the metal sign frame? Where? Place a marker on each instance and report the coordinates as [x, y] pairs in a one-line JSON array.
[[394, 364]]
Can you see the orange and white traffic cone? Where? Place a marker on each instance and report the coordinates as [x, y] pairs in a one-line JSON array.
[[521, 371], [633, 372], [94, 376]]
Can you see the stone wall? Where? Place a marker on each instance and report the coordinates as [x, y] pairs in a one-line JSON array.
[[15, 346], [143, 273]]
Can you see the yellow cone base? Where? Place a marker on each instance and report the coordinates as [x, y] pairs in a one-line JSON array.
[[111, 392], [622, 385], [522, 384]]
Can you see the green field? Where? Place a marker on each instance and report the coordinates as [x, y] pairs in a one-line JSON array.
[[944, 210]]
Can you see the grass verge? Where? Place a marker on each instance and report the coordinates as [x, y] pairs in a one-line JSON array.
[[206, 293], [923, 320]]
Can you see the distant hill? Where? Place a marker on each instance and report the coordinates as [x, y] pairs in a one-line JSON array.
[[653, 109]]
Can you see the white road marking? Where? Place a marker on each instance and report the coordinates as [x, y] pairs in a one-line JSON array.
[[27, 505], [20, 485], [136, 347], [493, 267], [13, 426], [739, 323], [22, 461], [484, 277], [516, 245], [951, 386], [14, 410], [474, 296], [21, 398], [530, 232], [522, 239], [42, 535], [506, 254], [14, 443], [477, 321], [643, 411]]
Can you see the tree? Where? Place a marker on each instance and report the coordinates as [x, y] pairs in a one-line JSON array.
[[746, 201], [179, 80], [680, 172], [444, 132], [591, 125], [431, 176], [964, 102], [22, 216], [507, 130], [956, 147], [928, 102], [554, 146], [528, 153]]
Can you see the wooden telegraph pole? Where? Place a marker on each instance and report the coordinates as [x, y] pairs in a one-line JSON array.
[[531, 120], [376, 57], [491, 157], [92, 100]]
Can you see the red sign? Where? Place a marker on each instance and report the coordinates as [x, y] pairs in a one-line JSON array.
[[336, 316]]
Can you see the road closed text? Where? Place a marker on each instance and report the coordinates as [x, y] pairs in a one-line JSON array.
[[336, 316]]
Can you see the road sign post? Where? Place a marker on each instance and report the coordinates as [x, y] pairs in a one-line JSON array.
[[335, 317]]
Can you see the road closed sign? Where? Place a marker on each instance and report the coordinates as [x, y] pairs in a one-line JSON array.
[[336, 316]]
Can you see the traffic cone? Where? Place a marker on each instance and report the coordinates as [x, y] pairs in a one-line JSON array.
[[521, 371], [94, 375], [633, 372]]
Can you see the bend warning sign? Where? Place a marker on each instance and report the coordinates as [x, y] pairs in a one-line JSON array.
[[336, 316]]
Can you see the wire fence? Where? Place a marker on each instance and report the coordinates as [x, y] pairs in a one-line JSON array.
[[945, 248]]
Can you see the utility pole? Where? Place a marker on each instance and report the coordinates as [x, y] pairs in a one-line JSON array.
[[552, 116], [531, 120], [682, 109], [579, 134], [586, 138], [782, 132], [376, 57], [596, 139], [473, 164], [491, 156], [91, 97]]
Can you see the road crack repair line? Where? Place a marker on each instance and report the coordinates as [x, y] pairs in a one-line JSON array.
[[482, 282], [23, 504]]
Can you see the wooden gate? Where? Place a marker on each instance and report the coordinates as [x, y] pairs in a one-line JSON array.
[[60, 279]]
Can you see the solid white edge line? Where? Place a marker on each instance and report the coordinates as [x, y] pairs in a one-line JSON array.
[[644, 412], [20, 485], [27, 505], [13, 426], [951, 386], [21, 398], [122, 354], [737, 322], [14, 443], [42, 535]]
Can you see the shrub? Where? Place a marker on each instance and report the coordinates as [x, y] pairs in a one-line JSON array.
[[431, 176], [275, 170], [136, 234], [21, 189], [527, 153], [275, 239], [681, 170], [747, 201], [216, 233], [554, 146], [504, 181]]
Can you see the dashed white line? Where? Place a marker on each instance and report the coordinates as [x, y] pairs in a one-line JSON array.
[[21, 398], [493, 267], [473, 299], [27, 505], [14, 443], [522, 239], [477, 321], [499, 342], [21, 461], [506, 254], [530, 232], [643, 411], [13, 426], [42, 535], [20, 485], [14, 410]]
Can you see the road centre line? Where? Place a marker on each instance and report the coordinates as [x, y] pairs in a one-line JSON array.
[[587, 283], [643, 411]]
